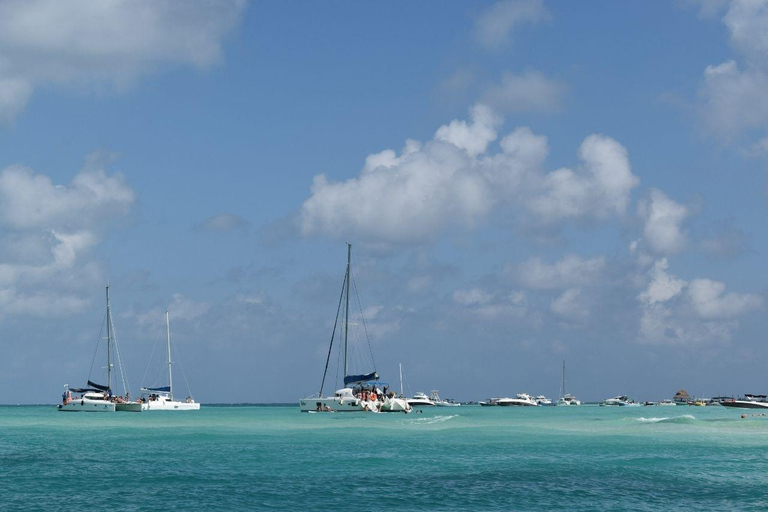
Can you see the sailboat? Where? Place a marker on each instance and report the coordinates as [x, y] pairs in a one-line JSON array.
[[566, 399], [361, 392], [99, 397], [161, 398]]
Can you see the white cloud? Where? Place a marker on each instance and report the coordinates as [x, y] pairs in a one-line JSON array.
[[570, 271], [601, 189], [452, 182], [110, 42], [530, 91], [472, 297], [663, 219], [494, 27], [710, 302], [748, 20], [571, 304], [489, 305], [662, 286], [49, 229]]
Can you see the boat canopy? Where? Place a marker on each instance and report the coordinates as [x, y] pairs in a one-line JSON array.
[[98, 386], [85, 390], [163, 389], [351, 380]]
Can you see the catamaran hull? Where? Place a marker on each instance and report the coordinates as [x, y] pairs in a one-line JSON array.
[[332, 404], [129, 407], [170, 405], [85, 405]]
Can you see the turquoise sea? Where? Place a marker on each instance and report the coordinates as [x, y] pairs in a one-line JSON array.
[[259, 457]]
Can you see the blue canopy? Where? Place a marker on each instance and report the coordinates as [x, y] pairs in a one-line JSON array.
[[164, 389], [351, 380]]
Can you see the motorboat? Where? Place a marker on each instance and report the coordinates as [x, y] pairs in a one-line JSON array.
[[362, 392], [666, 402], [420, 399], [100, 397], [521, 399], [748, 401], [621, 400], [490, 402], [566, 398], [435, 398]]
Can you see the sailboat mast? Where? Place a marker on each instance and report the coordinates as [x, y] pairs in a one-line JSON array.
[[401, 379], [109, 343], [168, 342], [563, 377], [346, 314]]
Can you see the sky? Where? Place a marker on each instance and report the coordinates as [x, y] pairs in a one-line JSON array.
[[523, 182]]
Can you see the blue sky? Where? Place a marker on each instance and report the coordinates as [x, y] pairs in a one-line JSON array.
[[523, 182]]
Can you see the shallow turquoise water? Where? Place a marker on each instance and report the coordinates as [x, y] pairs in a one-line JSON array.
[[469, 458]]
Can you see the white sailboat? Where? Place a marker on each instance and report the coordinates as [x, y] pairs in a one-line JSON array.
[[361, 392], [99, 397], [161, 398], [565, 398]]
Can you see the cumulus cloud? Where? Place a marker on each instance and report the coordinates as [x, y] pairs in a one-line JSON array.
[[48, 230], [600, 189], [495, 26], [92, 45], [663, 220], [570, 271], [700, 312], [530, 91], [732, 100], [457, 180], [571, 305], [490, 305]]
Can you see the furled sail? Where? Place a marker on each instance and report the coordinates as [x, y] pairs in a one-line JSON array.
[[163, 389], [98, 386], [351, 380]]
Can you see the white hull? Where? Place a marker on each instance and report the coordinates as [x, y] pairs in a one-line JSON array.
[[87, 405], [336, 404], [129, 407], [169, 405]]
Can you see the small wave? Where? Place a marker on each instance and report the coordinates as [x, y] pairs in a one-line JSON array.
[[676, 419], [434, 419]]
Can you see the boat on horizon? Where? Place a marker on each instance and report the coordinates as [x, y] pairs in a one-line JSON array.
[[420, 399], [621, 401], [160, 398], [100, 397], [566, 398], [748, 401], [361, 392], [435, 398], [520, 400]]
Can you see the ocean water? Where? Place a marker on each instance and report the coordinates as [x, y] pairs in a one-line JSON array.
[[255, 457]]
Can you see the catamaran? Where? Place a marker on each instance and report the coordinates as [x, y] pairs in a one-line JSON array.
[[566, 398], [161, 398], [361, 392], [99, 397]]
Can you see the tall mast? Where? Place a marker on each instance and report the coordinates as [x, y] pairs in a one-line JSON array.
[[109, 343], [346, 314], [563, 377], [401, 379], [168, 340]]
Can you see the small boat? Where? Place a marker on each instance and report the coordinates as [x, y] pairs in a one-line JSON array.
[[748, 401], [543, 401], [698, 403], [566, 398], [160, 398], [100, 397], [490, 402], [621, 400], [420, 399], [435, 398], [361, 392], [521, 399], [666, 402]]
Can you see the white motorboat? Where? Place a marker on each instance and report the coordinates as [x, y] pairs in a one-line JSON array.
[[666, 403], [435, 397], [420, 399], [521, 399], [361, 392], [99, 397], [748, 401], [566, 398], [490, 402], [543, 401], [621, 400], [160, 398]]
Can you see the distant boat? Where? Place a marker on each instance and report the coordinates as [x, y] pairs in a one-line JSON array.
[[99, 397], [490, 402], [161, 398], [565, 398], [361, 392], [435, 398], [666, 402], [520, 400], [420, 399], [543, 401], [748, 401], [621, 400]]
